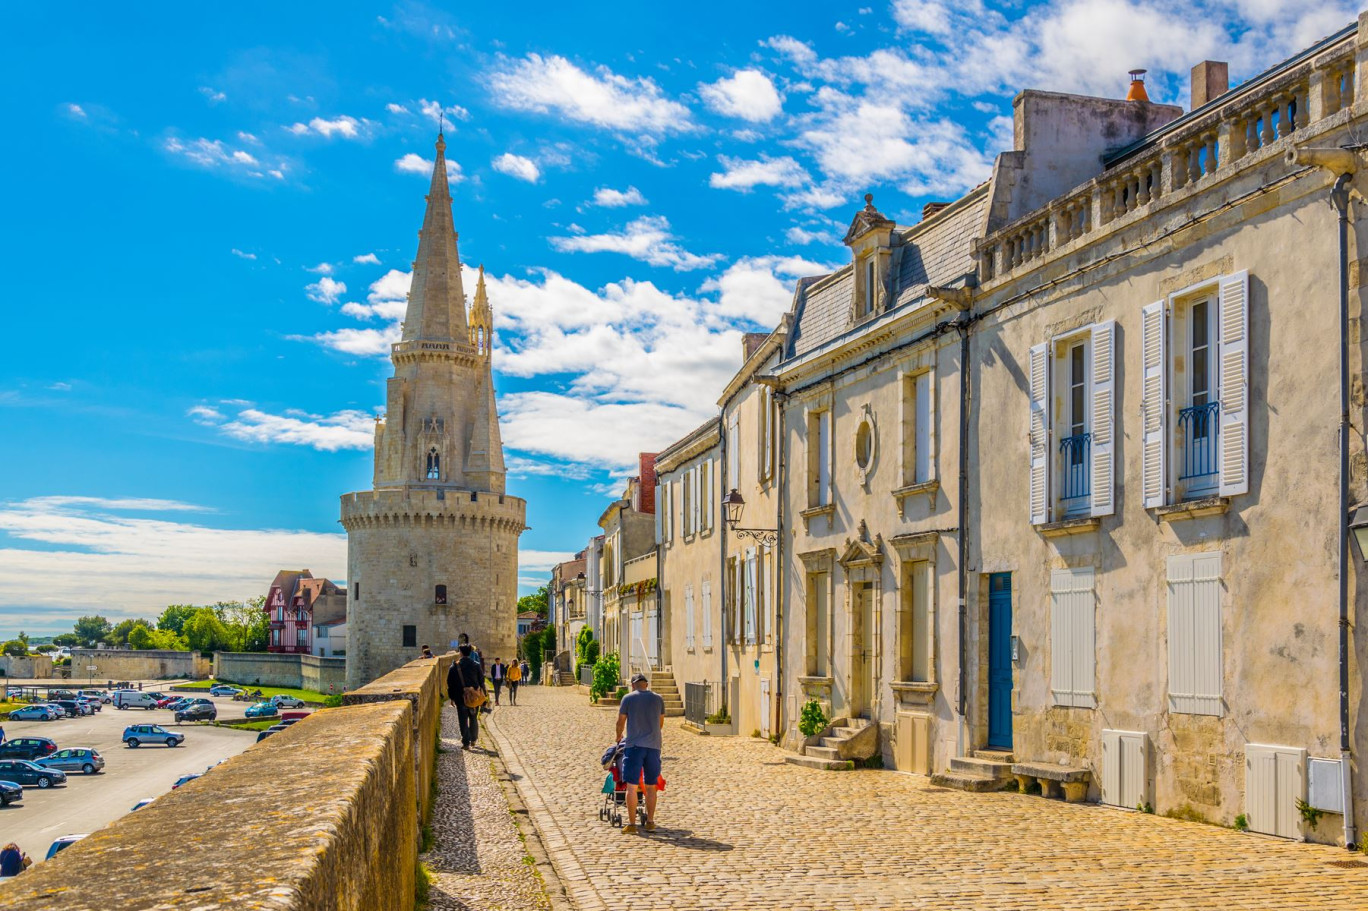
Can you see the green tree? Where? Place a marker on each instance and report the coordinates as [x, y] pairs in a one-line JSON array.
[[248, 626], [92, 630], [66, 639], [118, 636], [140, 637], [15, 648], [205, 632], [534, 602], [174, 617]]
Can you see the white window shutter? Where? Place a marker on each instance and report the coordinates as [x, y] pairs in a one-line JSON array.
[[688, 617], [1073, 666], [1103, 381], [707, 613], [1194, 631], [1180, 639], [693, 500], [1154, 404], [1040, 434], [1233, 383], [748, 595], [1061, 651], [925, 416], [824, 458], [709, 496], [659, 516]]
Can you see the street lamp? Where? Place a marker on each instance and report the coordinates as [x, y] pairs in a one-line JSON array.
[[1358, 525], [733, 504]]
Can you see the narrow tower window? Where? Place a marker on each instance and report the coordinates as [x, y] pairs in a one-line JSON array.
[[441, 594], [434, 464]]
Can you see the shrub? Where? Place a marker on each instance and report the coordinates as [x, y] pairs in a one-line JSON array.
[[813, 720], [607, 674], [719, 717], [334, 701], [1241, 823]]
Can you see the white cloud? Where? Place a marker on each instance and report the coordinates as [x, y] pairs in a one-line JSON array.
[[647, 239], [75, 110], [434, 111], [66, 547], [602, 98], [367, 258], [417, 164], [212, 95], [585, 431], [214, 154], [616, 199], [348, 429], [748, 94], [345, 126], [326, 290], [517, 166], [396, 108], [740, 174], [760, 288], [320, 269], [241, 254], [388, 301], [800, 235]]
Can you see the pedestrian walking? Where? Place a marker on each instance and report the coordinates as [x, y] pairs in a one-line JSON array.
[[525, 667], [479, 659], [497, 673], [2, 735], [467, 691], [514, 678], [641, 717]]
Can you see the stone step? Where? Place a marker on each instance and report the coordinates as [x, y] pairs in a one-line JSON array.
[[825, 765], [665, 690], [822, 752], [674, 712], [985, 767], [968, 781], [1004, 756], [831, 742]]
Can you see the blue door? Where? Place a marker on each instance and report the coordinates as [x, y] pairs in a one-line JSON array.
[[1000, 660]]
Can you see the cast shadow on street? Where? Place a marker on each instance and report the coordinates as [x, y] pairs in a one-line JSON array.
[[684, 838]]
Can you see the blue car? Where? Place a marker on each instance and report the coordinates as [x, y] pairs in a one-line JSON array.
[[35, 713], [10, 792], [263, 710]]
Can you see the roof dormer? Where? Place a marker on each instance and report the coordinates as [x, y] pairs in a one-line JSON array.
[[870, 241]]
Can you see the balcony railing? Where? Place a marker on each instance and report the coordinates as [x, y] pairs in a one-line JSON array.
[[1197, 436], [1075, 487], [696, 697]]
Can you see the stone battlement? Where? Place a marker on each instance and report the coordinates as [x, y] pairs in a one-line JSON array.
[[474, 508]]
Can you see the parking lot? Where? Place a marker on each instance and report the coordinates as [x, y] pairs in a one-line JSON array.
[[89, 802]]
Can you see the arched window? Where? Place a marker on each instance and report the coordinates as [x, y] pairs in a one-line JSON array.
[[434, 464], [441, 594], [480, 340]]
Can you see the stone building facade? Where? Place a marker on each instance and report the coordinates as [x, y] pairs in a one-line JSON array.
[[433, 547]]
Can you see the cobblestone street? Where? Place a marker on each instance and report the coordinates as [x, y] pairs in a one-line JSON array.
[[740, 829]]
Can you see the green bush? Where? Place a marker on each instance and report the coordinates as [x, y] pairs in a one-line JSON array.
[[1241, 823], [607, 674], [719, 717], [332, 702], [813, 720]]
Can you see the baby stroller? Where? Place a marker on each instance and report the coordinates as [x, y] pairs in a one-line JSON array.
[[614, 788]]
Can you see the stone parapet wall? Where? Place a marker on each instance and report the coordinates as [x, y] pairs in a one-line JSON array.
[[307, 672], [127, 664], [33, 668], [342, 835], [460, 508]]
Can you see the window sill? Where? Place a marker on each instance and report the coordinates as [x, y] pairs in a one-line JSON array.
[[1079, 526], [927, 488], [817, 683], [914, 688], [813, 512], [1193, 509]]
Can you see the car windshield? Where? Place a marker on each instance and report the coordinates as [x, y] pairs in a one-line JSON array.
[[156, 730]]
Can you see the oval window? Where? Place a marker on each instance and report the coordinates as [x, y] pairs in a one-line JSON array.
[[864, 445]]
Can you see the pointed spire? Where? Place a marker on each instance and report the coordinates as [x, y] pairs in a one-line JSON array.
[[484, 468], [436, 308], [481, 319]]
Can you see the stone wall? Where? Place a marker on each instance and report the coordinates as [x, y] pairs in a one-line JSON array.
[[344, 836], [127, 664], [39, 668], [308, 672]]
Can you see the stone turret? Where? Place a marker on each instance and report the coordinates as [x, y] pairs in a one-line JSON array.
[[432, 550]]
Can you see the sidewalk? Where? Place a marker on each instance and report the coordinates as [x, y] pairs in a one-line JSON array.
[[740, 829]]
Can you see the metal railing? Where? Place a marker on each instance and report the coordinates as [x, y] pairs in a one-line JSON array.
[[696, 699], [1197, 430], [1075, 473]]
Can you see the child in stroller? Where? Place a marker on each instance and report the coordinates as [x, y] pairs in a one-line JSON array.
[[614, 789]]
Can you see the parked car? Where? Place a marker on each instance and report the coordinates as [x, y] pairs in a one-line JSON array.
[[132, 699], [224, 689], [142, 803], [91, 702], [54, 695], [61, 845], [21, 771], [197, 712], [262, 710], [69, 707], [93, 694], [186, 779], [287, 702], [79, 759], [137, 734], [27, 748], [168, 701], [273, 729], [9, 793], [35, 713], [286, 720]]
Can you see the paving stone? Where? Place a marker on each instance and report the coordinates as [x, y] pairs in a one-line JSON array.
[[741, 829]]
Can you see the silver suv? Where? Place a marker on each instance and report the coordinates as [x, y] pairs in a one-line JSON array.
[[136, 735]]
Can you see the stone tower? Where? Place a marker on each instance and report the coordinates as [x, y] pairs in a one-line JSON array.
[[432, 550]]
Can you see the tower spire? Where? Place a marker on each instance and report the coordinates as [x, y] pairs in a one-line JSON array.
[[436, 307], [481, 319]]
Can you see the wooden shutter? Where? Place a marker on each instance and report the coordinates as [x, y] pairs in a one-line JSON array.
[[707, 613], [1194, 631], [1154, 404], [688, 617], [1275, 779], [925, 429], [824, 458], [1103, 384], [1072, 637], [1040, 434], [748, 595], [1233, 383], [709, 495], [659, 517], [1125, 774]]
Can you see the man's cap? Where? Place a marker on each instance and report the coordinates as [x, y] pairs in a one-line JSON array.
[[638, 678]]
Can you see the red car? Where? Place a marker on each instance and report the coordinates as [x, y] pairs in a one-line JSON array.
[[166, 701]]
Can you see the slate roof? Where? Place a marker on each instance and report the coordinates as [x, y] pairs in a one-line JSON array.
[[934, 252]]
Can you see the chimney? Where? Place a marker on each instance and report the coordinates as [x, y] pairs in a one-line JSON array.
[[1137, 87], [931, 208], [1210, 80], [646, 492], [751, 342]]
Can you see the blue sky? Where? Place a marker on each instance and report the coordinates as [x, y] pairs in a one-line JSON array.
[[211, 213]]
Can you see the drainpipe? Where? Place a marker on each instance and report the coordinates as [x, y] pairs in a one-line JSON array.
[[722, 589], [1342, 163], [778, 428], [962, 325]]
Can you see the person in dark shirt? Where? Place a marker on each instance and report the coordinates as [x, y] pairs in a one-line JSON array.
[[11, 860], [466, 673]]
